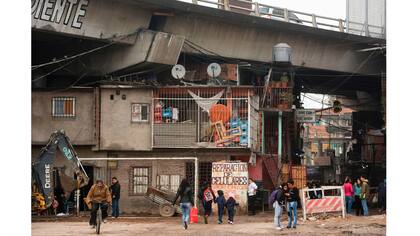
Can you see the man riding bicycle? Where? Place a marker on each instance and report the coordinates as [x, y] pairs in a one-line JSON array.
[[98, 193]]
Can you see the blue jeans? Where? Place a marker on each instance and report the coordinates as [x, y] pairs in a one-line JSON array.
[[277, 214], [349, 204], [115, 207], [220, 213], [365, 207], [292, 211], [185, 207]]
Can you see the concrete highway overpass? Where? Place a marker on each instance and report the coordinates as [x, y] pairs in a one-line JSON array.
[[141, 34]]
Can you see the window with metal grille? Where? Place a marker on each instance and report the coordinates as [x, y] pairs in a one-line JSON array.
[[64, 107], [139, 112], [140, 180], [168, 182]]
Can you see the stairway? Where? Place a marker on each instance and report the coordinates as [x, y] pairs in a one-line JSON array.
[[270, 163]]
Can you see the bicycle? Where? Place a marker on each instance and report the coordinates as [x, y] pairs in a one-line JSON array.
[[99, 218]]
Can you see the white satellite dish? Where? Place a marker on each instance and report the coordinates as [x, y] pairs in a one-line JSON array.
[[214, 70], [178, 71]]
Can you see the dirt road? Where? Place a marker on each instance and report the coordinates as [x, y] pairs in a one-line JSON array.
[[244, 225]]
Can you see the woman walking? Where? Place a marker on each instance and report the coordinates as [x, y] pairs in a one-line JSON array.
[[186, 201], [348, 193], [357, 193]]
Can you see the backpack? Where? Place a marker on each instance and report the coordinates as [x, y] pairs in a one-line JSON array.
[[280, 197], [207, 195], [273, 197]]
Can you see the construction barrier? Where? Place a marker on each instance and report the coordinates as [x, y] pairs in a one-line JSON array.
[[324, 204]]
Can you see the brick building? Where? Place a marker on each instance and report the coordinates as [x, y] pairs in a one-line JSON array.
[[112, 127]]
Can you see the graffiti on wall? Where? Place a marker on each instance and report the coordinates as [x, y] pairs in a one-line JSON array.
[[67, 12], [231, 177]]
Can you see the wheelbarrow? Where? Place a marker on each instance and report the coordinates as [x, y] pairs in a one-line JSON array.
[[164, 200]]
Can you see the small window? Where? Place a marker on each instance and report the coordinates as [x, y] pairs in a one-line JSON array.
[[139, 112], [168, 182], [63, 107], [140, 180]]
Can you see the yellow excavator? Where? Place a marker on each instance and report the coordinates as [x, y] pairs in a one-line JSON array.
[[72, 176]]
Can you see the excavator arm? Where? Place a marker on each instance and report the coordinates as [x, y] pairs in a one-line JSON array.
[[42, 169]]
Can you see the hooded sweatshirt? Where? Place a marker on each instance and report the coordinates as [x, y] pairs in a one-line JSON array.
[[231, 203], [220, 200]]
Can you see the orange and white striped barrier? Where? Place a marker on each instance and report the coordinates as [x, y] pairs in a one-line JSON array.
[[324, 204]]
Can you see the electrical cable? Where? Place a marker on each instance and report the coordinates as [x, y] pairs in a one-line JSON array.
[[56, 69], [346, 79], [72, 57], [354, 120], [86, 52], [344, 105], [265, 70], [70, 86]]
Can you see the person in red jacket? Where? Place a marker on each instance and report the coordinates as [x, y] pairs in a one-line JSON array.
[[348, 193]]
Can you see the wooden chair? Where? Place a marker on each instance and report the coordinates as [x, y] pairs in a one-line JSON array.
[[225, 135]]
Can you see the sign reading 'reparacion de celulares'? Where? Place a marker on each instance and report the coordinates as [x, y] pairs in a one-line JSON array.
[[231, 177]]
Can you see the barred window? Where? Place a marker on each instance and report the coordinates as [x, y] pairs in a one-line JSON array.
[[140, 180], [139, 112], [168, 182], [64, 107]]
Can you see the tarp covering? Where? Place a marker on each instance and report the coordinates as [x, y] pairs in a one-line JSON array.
[[206, 103]]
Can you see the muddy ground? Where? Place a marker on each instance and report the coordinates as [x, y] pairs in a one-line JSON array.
[[261, 224]]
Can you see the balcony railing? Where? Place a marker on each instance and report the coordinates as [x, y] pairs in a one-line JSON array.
[[275, 98], [291, 16], [203, 121]]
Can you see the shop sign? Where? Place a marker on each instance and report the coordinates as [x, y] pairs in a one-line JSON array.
[[305, 115]]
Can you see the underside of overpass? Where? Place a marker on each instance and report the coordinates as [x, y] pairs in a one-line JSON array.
[[147, 37]]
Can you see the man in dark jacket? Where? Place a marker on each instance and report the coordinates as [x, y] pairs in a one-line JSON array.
[[292, 197], [115, 193]]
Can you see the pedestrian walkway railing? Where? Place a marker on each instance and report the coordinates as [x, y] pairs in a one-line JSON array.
[[292, 16], [331, 200]]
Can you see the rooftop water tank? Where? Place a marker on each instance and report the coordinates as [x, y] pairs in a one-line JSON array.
[[282, 53]]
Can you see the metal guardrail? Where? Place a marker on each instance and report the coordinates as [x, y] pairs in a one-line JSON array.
[[291, 16]]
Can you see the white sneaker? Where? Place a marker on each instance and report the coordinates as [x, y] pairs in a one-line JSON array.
[[105, 221], [278, 228]]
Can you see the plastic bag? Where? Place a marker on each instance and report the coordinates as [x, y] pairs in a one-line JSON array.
[[375, 198], [194, 215]]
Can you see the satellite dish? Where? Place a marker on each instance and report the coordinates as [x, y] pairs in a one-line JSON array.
[[178, 71], [214, 70]]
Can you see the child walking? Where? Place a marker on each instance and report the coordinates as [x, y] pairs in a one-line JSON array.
[[230, 205], [221, 202]]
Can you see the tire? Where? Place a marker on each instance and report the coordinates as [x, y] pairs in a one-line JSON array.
[[166, 210], [98, 220]]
